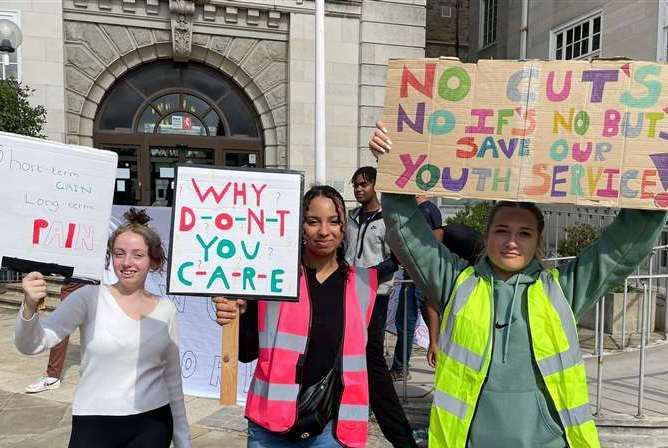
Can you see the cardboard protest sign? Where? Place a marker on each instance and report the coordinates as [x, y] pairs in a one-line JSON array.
[[56, 201], [236, 233], [578, 132]]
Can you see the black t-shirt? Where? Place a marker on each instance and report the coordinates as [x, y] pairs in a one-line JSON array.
[[432, 214], [326, 333], [364, 216], [326, 336]]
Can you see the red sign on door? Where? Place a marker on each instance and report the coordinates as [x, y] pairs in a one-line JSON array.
[[187, 123]]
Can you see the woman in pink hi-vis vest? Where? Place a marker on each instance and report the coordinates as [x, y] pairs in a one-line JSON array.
[[299, 344]]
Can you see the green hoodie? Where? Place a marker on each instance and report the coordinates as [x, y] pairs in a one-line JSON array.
[[514, 409]]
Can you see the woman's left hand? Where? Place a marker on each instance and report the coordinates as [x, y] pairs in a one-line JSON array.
[[227, 309], [431, 355]]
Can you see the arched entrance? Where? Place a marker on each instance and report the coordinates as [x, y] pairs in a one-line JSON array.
[[164, 113]]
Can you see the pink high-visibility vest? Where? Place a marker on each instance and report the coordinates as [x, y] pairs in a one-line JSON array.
[[284, 329]]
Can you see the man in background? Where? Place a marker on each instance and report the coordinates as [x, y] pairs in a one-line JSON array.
[[411, 298], [366, 247]]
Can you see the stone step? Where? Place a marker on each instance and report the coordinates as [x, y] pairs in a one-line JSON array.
[[628, 432], [11, 296]]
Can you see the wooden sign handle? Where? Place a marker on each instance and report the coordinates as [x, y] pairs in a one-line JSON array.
[[230, 364]]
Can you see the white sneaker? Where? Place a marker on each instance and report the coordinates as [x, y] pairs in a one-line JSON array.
[[42, 384]]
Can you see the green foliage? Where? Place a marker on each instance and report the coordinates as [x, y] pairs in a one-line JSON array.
[[474, 216], [16, 113], [578, 237]]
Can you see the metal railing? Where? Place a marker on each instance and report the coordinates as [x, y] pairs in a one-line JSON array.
[[9, 276]]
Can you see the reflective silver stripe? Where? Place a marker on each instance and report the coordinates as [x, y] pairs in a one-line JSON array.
[[576, 416], [464, 355], [362, 289], [354, 363], [450, 404], [571, 357], [267, 337], [275, 392], [560, 361], [284, 341], [445, 342], [354, 412]]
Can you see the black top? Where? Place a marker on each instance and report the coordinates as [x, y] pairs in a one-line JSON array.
[[364, 216], [326, 333], [432, 214]]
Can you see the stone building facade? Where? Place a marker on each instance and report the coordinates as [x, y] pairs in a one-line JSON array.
[[216, 82], [632, 29], [448, 29]]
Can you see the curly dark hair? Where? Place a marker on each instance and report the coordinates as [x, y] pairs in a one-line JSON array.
[[368, 173], [136, 221], [330, 193]]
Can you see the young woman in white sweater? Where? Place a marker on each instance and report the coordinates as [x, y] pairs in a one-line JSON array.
[[129, 393]]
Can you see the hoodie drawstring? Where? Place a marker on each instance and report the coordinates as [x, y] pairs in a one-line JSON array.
[[509, 316]]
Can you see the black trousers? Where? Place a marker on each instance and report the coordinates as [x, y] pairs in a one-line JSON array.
[[152, 429], [382, 395]]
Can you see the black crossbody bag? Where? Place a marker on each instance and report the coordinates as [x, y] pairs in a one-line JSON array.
[[316, 405]]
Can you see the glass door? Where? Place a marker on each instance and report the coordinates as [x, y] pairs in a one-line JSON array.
[[127, 190], [163, 161], [242, 159]]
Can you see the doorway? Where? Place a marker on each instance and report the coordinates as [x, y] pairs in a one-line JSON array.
[[162, 114]]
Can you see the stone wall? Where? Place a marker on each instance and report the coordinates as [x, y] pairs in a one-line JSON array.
[[442, 16], [102, 44], [629, 29], [388, 29], [341, 84], [41, 58]]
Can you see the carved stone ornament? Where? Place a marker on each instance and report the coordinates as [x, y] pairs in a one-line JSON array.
[[182, 28]]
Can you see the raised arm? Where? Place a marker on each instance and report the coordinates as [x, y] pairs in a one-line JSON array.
[[430, 264], [33, 334], [609, 260]]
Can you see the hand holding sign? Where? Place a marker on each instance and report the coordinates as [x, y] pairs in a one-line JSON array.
[[379, 143], [34, 288], [228, 310]]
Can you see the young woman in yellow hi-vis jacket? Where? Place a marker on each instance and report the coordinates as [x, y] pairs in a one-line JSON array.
[[509, 372]]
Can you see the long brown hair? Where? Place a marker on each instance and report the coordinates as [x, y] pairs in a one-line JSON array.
[[339, 204], [136, 221]]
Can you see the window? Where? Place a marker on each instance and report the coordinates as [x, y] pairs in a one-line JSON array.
[[446, 11], [168, 98], [487, 22], [662, 38], [9, 63], [580, 39]]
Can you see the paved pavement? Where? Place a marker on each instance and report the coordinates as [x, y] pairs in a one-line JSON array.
[[43, 420]]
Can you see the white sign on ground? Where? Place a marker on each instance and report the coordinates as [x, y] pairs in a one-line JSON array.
[[56, 201], [236, 233]]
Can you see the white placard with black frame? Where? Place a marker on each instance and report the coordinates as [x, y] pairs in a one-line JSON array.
[[236, 233], [56, 202]]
